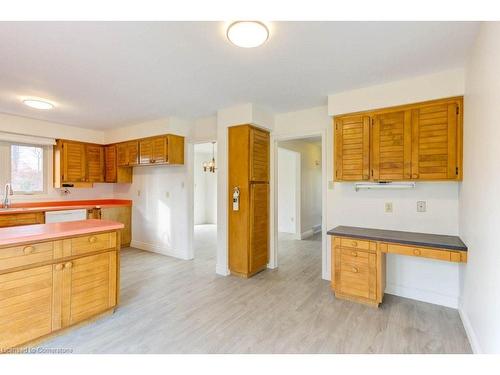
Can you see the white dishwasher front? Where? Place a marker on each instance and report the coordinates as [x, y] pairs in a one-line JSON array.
[[66, 215]]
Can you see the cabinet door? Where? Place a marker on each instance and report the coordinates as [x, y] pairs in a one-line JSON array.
[[121, 215], [145, 151], [88, 287], [25, 306], [133, 152], [122, 155], [352, 148], [159, 146], [95, 163], [110, 163], [436, 142], [391, 146], [73, 162], [259, 155], [259, 226]]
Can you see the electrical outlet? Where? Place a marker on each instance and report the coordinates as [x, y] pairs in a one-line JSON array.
[[388, 206], [138, 193], [167, 194], [421, 206]]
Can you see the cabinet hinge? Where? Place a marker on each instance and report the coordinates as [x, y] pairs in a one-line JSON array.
[[372, 172], [458, 110], [456, 171]]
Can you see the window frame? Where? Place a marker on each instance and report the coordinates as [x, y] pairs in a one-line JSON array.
[[45, 165]]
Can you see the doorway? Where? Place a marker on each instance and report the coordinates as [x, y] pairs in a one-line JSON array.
[[205, 201], [299, 203]]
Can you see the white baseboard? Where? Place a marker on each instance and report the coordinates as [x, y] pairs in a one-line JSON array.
[[306, 234], [471, 335], [158, 249], [422, 295], [310, 232], [221, 269]]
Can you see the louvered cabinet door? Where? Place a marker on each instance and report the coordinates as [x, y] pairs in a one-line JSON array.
[[145, 151], [159, 149], [110, 171], [259, 155], [391, 146], [25, 306], [74, 162], [122, 155], [352, 148], [259, 226], [95, 163], [133, 152], [89, 287], [436, 142]]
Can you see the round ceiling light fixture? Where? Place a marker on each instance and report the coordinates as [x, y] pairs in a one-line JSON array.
[[38, 103], [247, 34]]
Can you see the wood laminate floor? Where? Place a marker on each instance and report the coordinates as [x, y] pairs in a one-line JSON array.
[[176, 306]]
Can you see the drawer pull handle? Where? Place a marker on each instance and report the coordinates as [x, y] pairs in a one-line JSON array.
[[28, 250], [59, 267], [92, 239], [68, 265], [354, 269], [416, 251], [354, 243], [354, 254]]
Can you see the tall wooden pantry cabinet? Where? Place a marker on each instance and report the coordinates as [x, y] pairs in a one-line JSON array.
[[248, 216]]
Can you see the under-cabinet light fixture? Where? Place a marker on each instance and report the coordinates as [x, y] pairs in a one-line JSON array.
[[384, 185]]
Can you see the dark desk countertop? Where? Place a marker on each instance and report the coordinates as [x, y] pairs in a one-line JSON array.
[[411, 238]]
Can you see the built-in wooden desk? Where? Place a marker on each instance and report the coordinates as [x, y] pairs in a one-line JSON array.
[[358, 258]]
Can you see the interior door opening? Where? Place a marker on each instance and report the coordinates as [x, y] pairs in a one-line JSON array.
[[299, 203], [205, 201]]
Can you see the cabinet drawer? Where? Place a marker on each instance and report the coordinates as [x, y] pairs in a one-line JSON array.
[[354, 253], [357, 244], [91, 243], [18, 256], [419, 252], [20, 219]]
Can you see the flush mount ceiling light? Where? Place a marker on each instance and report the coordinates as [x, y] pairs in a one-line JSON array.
[[247, 34], [38, 104]]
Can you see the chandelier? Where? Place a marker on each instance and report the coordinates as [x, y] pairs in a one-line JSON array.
[[210, 165]]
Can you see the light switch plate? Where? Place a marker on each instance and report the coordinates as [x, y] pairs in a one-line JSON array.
[[421, 206], [388, 207]]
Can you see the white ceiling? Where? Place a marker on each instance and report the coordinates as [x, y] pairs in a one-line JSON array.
[[109, 74]]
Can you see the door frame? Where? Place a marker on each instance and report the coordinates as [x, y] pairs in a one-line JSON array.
[[273, 248]]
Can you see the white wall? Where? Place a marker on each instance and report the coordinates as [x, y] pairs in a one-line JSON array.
[[310, 184], [205, 190], [480, 193], [289, 192], [28, 126]]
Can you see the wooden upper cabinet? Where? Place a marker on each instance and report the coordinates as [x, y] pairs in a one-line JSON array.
[[73, 162], [94, 155], [127, 153], [259, 155], [391, 146], [352, 148], [153, 150], [421, 141], [437, 142]]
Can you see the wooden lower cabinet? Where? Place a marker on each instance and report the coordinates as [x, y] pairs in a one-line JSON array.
[[12, 220], [59, 292], [120, 214], [358, 273]]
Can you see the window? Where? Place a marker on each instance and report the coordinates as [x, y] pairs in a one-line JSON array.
[[27, 169]]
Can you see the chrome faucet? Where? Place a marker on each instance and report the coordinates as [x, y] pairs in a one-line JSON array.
[[8, 192]]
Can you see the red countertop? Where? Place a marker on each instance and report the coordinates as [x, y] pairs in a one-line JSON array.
[[42, 232], [17, 208]]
